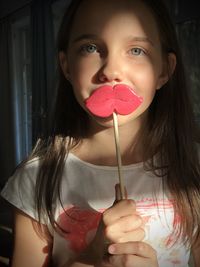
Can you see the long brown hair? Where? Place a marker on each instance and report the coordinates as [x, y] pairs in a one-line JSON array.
[[170, 133]]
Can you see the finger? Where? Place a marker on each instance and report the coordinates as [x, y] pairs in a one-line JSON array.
[[131, 261], [126, 226], [133, 236], [120, 209], [140, 249]]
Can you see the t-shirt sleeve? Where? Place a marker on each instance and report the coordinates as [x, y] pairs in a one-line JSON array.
[[19, 189]]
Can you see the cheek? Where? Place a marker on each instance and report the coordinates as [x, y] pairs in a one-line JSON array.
[[84, 67], [146, 80], [79, 93], [81, 80], [82, 73], [80, 96]]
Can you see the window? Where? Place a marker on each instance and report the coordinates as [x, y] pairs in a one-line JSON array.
[[21, 71]]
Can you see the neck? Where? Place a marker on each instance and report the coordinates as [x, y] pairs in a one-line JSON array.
[[99, 147]]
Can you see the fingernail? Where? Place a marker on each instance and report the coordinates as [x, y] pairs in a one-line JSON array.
[[111, 249]]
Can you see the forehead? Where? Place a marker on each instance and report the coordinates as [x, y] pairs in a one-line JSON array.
[[96, 16]]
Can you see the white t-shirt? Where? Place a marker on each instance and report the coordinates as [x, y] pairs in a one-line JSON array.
[[87, 190]]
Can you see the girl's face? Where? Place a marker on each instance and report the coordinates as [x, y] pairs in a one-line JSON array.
[[113, 42]]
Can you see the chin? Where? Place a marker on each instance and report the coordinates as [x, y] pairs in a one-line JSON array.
[[104, 122], [108, 121]]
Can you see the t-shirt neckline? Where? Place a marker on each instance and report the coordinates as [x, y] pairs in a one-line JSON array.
[[73, 157]]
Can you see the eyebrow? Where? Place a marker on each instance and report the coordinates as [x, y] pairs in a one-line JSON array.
[[140, 39], [130, 39], [85, 37]]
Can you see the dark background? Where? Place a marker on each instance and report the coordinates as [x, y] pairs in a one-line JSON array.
[[27, 79]]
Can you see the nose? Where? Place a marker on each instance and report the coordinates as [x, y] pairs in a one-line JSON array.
[[111, 70]]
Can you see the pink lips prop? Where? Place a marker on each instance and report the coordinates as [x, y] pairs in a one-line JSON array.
[[106, 99]]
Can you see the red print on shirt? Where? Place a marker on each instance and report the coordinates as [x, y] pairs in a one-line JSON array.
[[78, 226]]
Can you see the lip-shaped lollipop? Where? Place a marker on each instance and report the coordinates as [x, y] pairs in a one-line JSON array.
[[106, 99]]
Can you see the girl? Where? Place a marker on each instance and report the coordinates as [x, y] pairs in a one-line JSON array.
[[64, 193]]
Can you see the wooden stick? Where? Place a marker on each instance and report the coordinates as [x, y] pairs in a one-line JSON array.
[[118, 155]]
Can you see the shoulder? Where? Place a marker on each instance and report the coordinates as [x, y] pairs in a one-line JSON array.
[[30, 165], [20, 187], [26, 171]]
